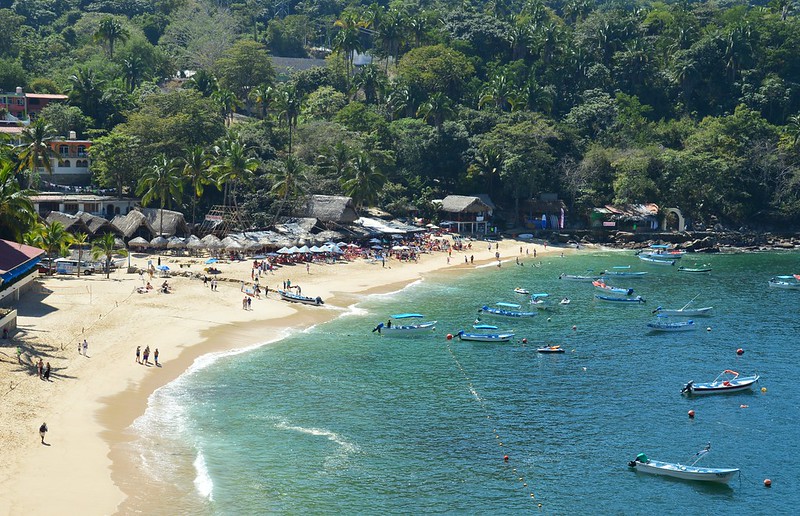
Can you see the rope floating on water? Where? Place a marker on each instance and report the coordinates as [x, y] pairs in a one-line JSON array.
[[489, 417]]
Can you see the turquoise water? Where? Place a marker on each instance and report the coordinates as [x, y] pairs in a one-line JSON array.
[[339, 420]]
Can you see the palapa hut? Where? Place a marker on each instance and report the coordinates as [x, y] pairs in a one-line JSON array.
[[546, 212], [331, 209], [146, 223], [466, 214], [98, 225], [72, 223]]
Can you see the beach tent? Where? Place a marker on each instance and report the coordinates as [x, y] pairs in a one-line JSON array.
[[335, 249], [138, 242], [375, 241], [159, 242], [294, 249], [284, 250], [304, 249], [315, 249]]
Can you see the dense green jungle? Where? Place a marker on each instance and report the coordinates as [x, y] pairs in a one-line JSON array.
[[191, 103]]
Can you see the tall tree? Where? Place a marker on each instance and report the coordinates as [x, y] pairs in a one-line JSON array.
[[161, 182], [110, 32], [53, 238], [80, 239], [16, 209], [86, 90], [363, 181], [235, 166], [106, 246], [288, 101], [36, 152], [197, 169], [436, 109], [348, 40], [288, 181]]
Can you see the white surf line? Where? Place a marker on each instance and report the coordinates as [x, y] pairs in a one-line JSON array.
[[517, 476]]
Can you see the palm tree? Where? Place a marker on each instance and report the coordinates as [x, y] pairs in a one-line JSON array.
[[337, 160], [500, 92], [228, 102], [793, 129], [111, 31], [86, 90], [161, 181], [204, 82], [364, 180], [348, 40], [53, 238], [437, 109], [36, 151], [288, 181], [234, 166], [80, 240], [16, 208], [197, 169], [263, 95], [132, 69], [391, 34], [372, 82], [488, 164], [289, 103], [106, 246]]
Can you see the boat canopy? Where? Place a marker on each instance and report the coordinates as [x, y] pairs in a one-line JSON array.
[[660, 246], [484, 326], [407, 316], [509, 305], [541, 294]]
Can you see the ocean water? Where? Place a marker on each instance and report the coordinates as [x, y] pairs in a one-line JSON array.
[[337, 419]]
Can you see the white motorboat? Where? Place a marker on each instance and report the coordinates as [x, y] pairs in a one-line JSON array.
[[485, 337], [396, 329], [726, 381], [685, 472]]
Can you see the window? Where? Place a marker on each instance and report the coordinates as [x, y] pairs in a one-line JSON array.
[[63, 150], [70, 207], [82, 151], [66, 163]]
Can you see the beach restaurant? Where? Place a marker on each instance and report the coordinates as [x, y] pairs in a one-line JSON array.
[[17, 272]]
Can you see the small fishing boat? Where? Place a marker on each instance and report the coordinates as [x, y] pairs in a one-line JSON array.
[[663, 325], [574, 277], [490, 310], [685, 312], [520, 290], [484, 326], [787, 282], [621, 300], [726, 381], [404, 330], [676, 470], [539, 301], [601, 285], [565, 301], [694, 269], [662, 252], [485, 337], [626, 275], [656, 261], [297, 298], [550, 349], [621, 267]]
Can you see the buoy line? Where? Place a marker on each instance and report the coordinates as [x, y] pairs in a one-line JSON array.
[[490, 417]]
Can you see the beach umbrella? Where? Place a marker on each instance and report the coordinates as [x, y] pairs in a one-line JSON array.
[[284, 250], [195, 243], [304, 249], [138, 242], [342, 244], [400, 248], [315, 249], [375, 241], [159, 242], [176, 243], [377, 247], [353, 246], [162, 267], [398, 237], [336, 249], [212, 242], [294, 250], [211, 260]]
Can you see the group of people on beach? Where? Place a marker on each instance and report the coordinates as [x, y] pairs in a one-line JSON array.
[[43, 370], [143, 357]]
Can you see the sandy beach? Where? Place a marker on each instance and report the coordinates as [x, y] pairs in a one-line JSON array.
[[91, 400]]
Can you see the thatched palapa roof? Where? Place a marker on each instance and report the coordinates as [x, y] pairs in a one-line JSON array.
[[331, 208], [130, 223], [464, 204], [98, 225], [147, 221], [71, 223]]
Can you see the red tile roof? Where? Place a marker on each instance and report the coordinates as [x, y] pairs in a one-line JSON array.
[[13, 255]]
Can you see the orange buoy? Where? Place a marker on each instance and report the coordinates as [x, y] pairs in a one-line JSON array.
[[740, 352], [767, 482], [691, 414], [449, 336], [505, 458], [764, 390]]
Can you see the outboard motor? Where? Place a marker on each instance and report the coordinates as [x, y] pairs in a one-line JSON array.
[[377, 328], [687, 387]]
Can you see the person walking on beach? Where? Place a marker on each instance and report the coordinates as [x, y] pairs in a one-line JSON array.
[[85, 347], [42, 431], [47, 372], [138, 354], [249, 302], [146, 356], [155, 357]]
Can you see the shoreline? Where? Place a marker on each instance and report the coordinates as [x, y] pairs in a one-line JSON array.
[[98, 410]]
